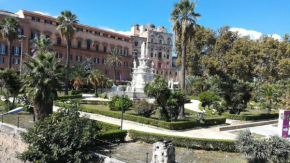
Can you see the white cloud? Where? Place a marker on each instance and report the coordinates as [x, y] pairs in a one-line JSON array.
[[254, 35], [128, 33], [42, 13]]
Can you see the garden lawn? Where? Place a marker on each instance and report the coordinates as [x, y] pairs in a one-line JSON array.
[[25, 118]]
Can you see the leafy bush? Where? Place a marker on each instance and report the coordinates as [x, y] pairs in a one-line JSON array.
[[103, 95], [116, 103], [112, 136], [62, 137], [207, 98], [144, 108], [194, 143], [252, 117], [69, 97], [103, 126], [263, 150], [214, 121], [94, 102], [154, 122]]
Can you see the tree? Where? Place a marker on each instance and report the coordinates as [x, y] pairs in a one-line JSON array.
[[95, 79], [184, 27], [41, 44], [114, 60], [66, 29], [45, 75], [78, 75], [160, 91], [11, 81], [9, 31], [61, 137]]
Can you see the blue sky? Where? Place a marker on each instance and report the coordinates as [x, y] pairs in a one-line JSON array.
[[260, 16]]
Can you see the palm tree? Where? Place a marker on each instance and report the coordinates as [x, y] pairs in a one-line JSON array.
[[105, 83], [114, 59], [45, 75], [184, 27], [95, 79], [9, 31], [66, 29], [41, 44], [78, 75]]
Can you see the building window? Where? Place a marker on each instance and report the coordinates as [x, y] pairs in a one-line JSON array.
[[168, 41], [176, 73], [71, 57], [3, 49], [125, 64], [58, 41], [105, 34], [47, 22], [47, 36], [34, 35], [167, 56], [113, 36], [88, 44], [79, 44], [152, 40], [58, 55], [16, 50], [2, 59], [97, 33], [20, 31], [35, 19], [106, 72], [120, 38], [89, 31], [160, 41], [157, 72], [80, 29], [126, 39], [159, 55], [126, 53], [120, 50], [105, 49], [159, 65], [79, 58], [57, 24], [151, 55], [97, 47], [104, 61], [16, 61], [96, 60]]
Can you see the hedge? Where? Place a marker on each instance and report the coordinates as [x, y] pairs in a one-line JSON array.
[[179, 141], [69, 97], [249, 117], [95, 102], [112, 136], [154, 122], [214, 120], [106, 126]]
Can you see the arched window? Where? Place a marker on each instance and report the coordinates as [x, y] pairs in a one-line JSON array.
[[168, 41], [152, 39]]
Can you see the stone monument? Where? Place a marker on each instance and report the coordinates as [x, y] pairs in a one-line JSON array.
[[163, 152]]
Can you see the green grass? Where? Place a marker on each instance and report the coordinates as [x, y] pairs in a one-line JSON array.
[[25, 118]]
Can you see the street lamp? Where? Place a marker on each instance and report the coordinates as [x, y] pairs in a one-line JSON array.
[[22, 37], [123, 92]]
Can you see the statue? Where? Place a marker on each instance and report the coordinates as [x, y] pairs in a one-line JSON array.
[[152, 64], [134, 63], [143, 50], [170, 83]]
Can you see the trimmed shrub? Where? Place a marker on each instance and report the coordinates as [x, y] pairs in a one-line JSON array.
[[214, 120], [112, 102], [94, 102], [252, 117], [208, 98], [194, 143], [144, 108], [154, 122], [116, 103], [69, 97], [103, 126], [112, 136], [74, 92]]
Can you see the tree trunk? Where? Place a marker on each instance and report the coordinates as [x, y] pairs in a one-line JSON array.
[[115, 74], [10, 55], [67, 66], [96, 89], [181, 114], [42, 109]]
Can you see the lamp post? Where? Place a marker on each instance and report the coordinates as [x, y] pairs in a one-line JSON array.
[[123, 92], [22, 37]]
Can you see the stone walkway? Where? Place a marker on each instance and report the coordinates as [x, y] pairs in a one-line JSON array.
[[193, 105]]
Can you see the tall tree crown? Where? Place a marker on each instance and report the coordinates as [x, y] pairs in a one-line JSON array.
[[66, 27], [9, 26]]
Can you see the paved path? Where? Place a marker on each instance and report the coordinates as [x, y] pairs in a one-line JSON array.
[[92, 97], [193, 105], [211, 133]]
